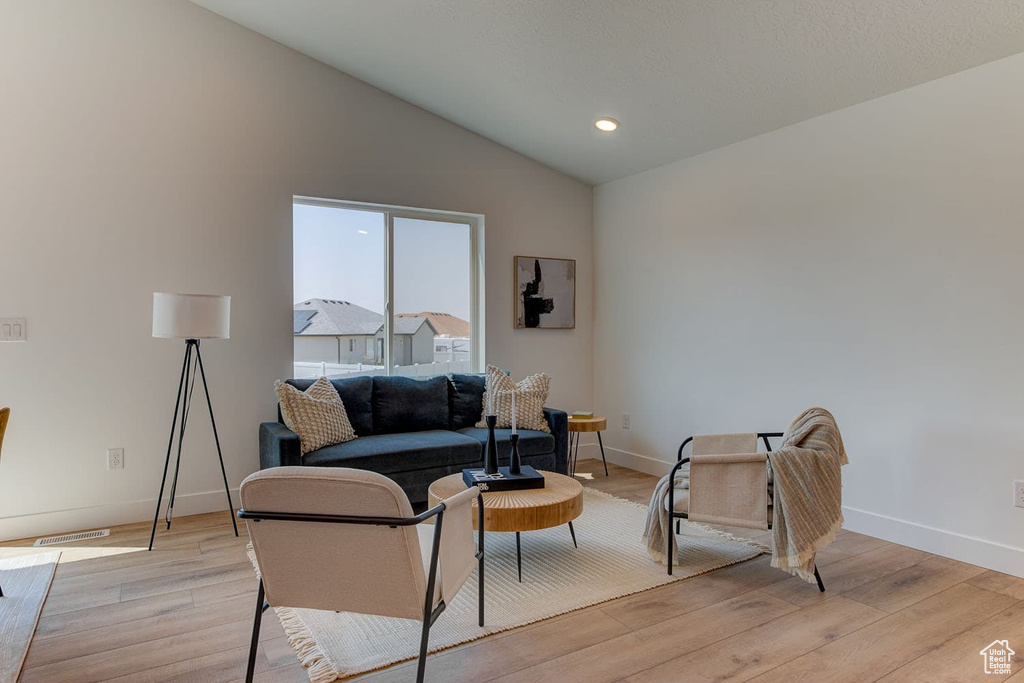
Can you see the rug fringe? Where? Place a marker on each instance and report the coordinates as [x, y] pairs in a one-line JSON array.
[[313, 659], [318, 665]]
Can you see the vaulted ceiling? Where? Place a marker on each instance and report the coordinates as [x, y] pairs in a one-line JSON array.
[[682, 76]]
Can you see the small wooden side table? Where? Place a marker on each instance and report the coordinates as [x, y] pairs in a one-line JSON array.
[[578, 426]]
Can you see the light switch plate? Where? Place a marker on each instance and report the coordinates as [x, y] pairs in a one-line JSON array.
[[13, 329]]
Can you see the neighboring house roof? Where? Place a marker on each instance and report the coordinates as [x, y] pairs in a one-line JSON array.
[[300, 319], [443, 323], [334, 318], [411, 325], [331, 317]]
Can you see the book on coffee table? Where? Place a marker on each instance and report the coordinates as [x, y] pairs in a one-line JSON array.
[[503, 480], [582, 415]]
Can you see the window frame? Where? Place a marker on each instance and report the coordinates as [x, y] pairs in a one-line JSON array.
[[476, 269]]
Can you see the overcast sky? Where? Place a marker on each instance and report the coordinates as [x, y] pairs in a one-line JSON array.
[[339, 254]]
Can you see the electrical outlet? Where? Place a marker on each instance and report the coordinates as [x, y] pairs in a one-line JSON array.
[[625, 420], [115, 458], [1018, 493]]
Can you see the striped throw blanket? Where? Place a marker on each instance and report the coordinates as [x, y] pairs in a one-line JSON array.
[[808, 494]]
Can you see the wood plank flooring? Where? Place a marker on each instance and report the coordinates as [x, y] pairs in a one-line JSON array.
[[891, 613]]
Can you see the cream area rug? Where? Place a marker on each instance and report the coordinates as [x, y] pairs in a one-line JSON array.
[[611, 562], [25, 581]]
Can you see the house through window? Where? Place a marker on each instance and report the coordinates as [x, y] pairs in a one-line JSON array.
[[382, 290]]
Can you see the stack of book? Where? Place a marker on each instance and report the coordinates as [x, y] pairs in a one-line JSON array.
[[582, 415]]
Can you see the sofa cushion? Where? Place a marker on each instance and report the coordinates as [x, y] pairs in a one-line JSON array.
[[356, 393], [317, 414], [404, 404], [531, 442], [527, 396], [389, 453], [465, 399]]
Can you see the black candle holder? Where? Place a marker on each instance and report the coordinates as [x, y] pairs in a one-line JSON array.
[[514, 462], [491, 447]]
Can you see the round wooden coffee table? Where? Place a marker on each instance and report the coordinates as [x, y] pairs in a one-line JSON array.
[[559, 502]]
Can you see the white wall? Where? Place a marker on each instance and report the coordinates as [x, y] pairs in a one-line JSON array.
[[155, 146], [868, 261]]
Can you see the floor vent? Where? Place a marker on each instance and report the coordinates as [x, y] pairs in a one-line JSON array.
[[71, 538]]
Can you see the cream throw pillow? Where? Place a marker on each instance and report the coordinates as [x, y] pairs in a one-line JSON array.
[[531, 395], [317, 415]]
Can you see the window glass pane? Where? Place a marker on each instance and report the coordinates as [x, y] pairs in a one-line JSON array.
[[339, 290], [432, 297]]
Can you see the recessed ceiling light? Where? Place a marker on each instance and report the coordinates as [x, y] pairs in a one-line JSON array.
[[607, 125], [364, 232]]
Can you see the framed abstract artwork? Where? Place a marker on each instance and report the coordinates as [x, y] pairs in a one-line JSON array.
[[545, 293]]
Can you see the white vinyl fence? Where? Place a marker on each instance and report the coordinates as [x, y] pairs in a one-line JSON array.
[[336, 371]]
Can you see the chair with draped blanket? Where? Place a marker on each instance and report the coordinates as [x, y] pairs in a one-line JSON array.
[[731, 484], [333, 538]]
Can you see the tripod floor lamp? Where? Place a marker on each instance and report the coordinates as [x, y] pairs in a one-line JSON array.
[[192, 317]]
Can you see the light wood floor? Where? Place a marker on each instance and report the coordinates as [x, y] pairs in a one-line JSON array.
[[184, 611]]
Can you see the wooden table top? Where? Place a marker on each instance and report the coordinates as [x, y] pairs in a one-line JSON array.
[[559, 502], [588, 424]]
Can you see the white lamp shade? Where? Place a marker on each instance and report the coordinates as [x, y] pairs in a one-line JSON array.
[[191, 316]]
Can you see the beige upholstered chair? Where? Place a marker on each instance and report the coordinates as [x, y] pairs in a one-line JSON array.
[[5, 414], [334, 538], [728, 484]]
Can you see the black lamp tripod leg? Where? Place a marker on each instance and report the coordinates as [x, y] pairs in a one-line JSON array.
[[220, 456], [190, 384], [170, 442]]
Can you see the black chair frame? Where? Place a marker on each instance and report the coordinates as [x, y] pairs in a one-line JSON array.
[[680, 461], [429, 615]]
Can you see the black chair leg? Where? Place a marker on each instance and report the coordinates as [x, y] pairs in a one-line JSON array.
[[480, 549], [480, 597], [251, 670], [668, 553], [821, 586], [421, 668]]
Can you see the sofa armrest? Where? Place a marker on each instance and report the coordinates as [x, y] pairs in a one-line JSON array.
[[279, 446], [558, 421]]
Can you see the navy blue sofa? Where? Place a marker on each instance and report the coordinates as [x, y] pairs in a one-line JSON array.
[[415, 431]]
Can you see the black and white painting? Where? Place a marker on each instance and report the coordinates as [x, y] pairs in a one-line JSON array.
[[545, 293]]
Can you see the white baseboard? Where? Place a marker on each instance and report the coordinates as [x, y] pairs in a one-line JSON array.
[[93, 517], [635, 461], [977, 551]]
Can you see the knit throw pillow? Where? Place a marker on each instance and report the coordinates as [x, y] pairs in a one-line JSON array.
[[317, 414], [531, 394]]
